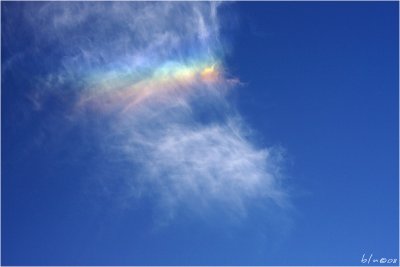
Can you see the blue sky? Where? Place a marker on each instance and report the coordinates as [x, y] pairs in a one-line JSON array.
[[266, 133]]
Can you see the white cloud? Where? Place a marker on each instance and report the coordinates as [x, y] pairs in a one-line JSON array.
[[189, 147], [200, 166]]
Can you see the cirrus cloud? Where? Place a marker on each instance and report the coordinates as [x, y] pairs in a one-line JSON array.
[[155, 74]]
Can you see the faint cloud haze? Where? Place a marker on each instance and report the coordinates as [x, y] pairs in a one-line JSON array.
[[154, 74]]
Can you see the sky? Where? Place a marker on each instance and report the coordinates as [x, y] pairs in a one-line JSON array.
[[199, 133]]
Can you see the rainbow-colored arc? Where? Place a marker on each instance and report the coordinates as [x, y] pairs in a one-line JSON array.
[[125, 89]]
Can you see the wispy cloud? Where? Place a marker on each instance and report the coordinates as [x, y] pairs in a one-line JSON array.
[[154, 72]]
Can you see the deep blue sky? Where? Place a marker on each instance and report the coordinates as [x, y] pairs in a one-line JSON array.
[[320, 80]]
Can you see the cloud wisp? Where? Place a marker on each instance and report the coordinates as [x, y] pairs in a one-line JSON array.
[[154, 73]]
